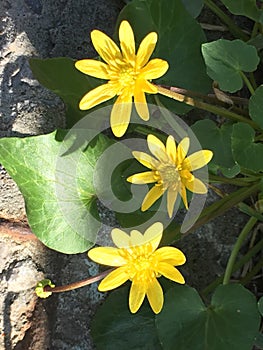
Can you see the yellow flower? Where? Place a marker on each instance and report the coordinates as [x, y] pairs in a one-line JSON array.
[[138, 259], [171, 170], [128, 75]]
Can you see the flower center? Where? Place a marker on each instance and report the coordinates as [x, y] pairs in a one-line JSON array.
[[127, 77], [169, 175]]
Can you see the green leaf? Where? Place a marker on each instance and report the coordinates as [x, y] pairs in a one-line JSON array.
[[179, 40], [57, 185], [260, 306], [226, 59], [256, 106], [217, 140], [115, 327], [246, 8], [231, 322], [193, 7], [246, 152], [259, 341], [60, 76]]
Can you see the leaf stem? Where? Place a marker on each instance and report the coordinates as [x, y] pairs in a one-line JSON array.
[[253, 272], [205, 106], [78, 284], [247, 82], [233, 28], [244, 233], [235, 181]]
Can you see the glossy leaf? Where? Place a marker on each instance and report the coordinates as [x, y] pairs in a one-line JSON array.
[[217, 140], [231, 322], [226, 59], [256, 106], [246, 152], [57, 188], [246, 8], [193, 7], [60, 76], [179, 40], [260, 306], [115, 327]]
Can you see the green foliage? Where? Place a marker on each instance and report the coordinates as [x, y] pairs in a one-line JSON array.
[[225, 60], [184, 323], [57, 188], [246, 8], [217, 140], [193, 7], [247, 153], [256, 106]]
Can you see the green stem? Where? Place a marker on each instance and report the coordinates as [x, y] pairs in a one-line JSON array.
[[247, 257], [205, 106], [237, 181], [253, 272], [233, 28], [244, 233], [247, 82]]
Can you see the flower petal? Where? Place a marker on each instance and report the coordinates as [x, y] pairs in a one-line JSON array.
[[127, 42], [136, 297], [170, 272], [120, 238], [148, 87], [120, 115], [154, 69], [140, 101], [153, 235], [155, 296], [182, 192], [171, 148], [151, 197], [171, 199], [105, 46], [182, 150], [157, 148], [142, 178], [195, 186], [136, 238], [96, 96], [94, 68], [171, 255], [146, 49], [197, 160], [106, 256], [145, 159], [114, 279]]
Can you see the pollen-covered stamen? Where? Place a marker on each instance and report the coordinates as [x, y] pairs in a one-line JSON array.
[[169, 175]]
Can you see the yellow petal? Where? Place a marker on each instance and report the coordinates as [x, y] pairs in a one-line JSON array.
[[140, 101], [155, 296], [182, 192], [157, 148], [170, 254], [151, 197], [106, 48], [136, 238], [171, 199], [195, 186], [94, 68], [148, 87], [154, 69], [136, 297], [106, 256], [127, 42], [142, 178], [96, 96], [171, 148], [182, 150], [153, 235], [146, 48], [170, 272], [120, 238], [120, 115], [197, 160], [114, 279], [145, 159]]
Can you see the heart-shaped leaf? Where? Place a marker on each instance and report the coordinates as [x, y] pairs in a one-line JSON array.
[[57, 187], [246, 152], [246, 8], [256, 106], [225, 60], [217, 140]]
